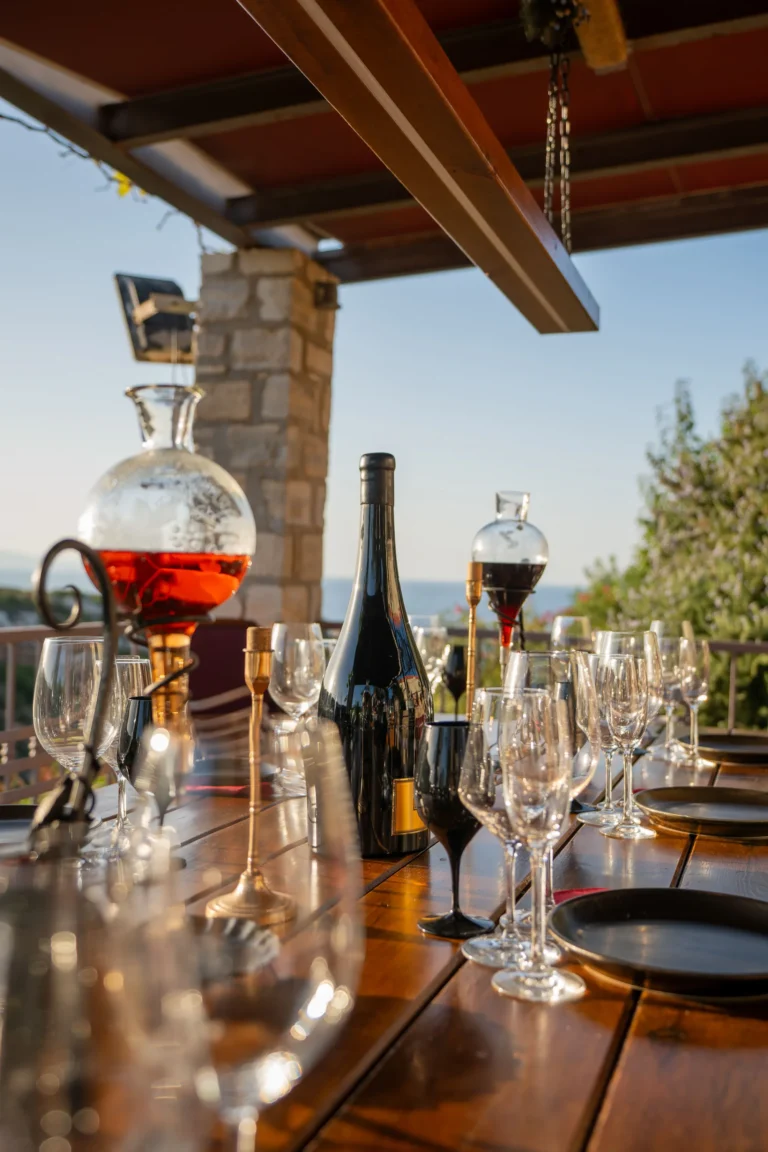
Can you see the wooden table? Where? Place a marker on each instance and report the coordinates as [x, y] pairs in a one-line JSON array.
[[432, 1059]]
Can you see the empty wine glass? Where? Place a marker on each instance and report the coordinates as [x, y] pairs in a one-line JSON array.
[[608, 811], [694, 682], [566, 676], [536, 747], [62, 708], [669, 748], [624, 681], [298, 664], [432, 644], [436, 791], [455, 674], [481, 791], [132, 675], [571, 632]]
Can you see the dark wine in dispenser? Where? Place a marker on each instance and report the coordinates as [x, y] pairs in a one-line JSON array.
[[507, 587]]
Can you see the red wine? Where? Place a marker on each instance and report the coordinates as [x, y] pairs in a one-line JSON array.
[[375, 688], [160, 584], [508, 586]]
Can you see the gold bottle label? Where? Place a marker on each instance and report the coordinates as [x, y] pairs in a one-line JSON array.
[[405, 818]]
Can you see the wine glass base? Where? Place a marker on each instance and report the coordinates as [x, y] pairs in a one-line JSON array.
[[251, 900], [555, 988], [455, 926], [600, 818], [670, 753], [496, 951], [623, 831]]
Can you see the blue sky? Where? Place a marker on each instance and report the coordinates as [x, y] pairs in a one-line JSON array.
[[440, 370]]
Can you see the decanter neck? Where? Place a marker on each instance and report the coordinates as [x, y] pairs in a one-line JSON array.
[[166, 415], [512, 505]]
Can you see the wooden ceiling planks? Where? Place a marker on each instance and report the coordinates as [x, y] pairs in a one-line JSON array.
[[379, 64]]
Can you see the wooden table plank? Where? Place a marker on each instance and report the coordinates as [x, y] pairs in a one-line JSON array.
[[693, 1068], [403, 969], [476, 1071]]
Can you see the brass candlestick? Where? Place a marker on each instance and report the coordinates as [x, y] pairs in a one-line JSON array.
[[474, 588], [252, 898]]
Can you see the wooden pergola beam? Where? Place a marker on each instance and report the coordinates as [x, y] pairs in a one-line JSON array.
[[646, 146], [687, 217], [602, 37], [378, 63], [480, 52]]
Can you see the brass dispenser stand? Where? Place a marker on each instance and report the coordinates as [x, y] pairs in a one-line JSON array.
[[474, 589], [252, 898]]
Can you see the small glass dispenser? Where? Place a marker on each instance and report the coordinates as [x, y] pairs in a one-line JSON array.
[[513, 554]]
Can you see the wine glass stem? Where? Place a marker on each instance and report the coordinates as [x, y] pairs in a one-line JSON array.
[[122, 800], [243, 1135], [549, 881], [510, 856], [695, 731], [628, 792], [455, 866], [538, 907], [670, 735]]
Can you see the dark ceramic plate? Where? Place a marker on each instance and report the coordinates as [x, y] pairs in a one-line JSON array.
[[670, 939], [732, 813], [734, 749]]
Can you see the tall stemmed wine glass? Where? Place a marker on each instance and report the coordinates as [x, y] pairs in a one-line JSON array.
[[608, 811], [63, 703], [669, 748], [568, 679], [571, 632], [132, 675], [432, 643], [455, 674], [669, 634], [694, 680], [536, 746], [481, 791], [436, 789], [624, 681], [298, 665]]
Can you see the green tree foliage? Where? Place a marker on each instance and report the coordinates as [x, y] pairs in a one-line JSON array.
[[703, 551]]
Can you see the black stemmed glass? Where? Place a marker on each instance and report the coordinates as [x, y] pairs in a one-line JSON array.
[[438, 771], [137, 717], [455, 674]]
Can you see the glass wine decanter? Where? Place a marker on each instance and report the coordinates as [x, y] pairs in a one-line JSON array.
[[513, 554], [176, 534]]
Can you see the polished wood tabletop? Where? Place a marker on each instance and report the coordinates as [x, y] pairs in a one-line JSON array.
[[433, 1059]]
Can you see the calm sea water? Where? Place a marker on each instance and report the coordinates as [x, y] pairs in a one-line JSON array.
[[443, 597], [422, 597]]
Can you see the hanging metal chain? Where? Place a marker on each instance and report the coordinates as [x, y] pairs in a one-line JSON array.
[[565, 153], [549, 154], [558, 130]]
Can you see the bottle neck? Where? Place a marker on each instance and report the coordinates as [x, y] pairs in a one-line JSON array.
[[376, 575], [166, 415]]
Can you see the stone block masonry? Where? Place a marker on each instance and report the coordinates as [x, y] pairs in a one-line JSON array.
[[265, 358]]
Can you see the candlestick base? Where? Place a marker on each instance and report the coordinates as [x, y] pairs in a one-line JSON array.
[[253, 900]]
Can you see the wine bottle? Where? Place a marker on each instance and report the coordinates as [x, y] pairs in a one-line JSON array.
[[375, 688]]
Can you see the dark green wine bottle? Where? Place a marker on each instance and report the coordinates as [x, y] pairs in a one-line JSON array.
[[375, 688]]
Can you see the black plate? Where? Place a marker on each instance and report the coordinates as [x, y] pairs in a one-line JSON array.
[[732, 813], [733, 749], [670, 939]]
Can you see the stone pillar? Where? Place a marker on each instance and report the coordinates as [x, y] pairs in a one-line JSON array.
[[265, 356]]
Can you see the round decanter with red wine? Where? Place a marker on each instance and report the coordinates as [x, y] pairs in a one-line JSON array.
[[174, 529], [513, 554]]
